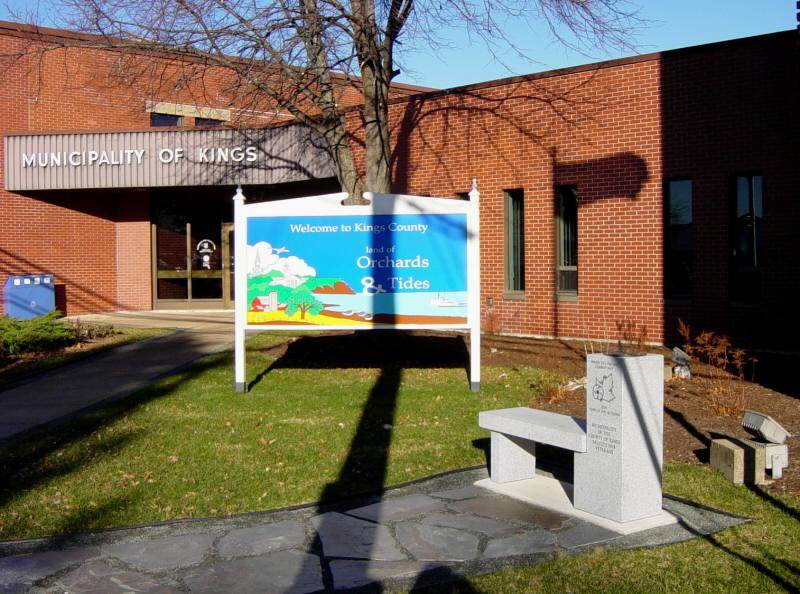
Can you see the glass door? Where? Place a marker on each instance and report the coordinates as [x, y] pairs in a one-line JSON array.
[[227, 265], [191, 256]]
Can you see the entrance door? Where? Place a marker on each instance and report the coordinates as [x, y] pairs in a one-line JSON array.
[[192, 256], [227, 265]]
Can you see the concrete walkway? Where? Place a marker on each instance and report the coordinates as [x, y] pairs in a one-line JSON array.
[[433, 531], [78, 387]]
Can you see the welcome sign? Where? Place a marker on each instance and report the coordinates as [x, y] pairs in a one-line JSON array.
[[382, 269], [404, 262]]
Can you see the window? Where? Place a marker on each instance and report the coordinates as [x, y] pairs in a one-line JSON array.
[[158, 120], [678, 239], [207, 122], [515, 241], [567, 240], [747, 238]]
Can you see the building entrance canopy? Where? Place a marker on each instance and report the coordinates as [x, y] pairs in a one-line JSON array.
[[163, 158]]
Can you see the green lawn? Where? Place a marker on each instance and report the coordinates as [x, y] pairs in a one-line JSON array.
[[321, 425], [189, 447]]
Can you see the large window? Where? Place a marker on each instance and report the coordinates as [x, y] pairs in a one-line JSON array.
[[747, 238], [567, 240], [515, 241], [678, 239]]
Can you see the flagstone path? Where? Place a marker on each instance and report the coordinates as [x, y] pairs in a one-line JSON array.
[[428, 532]]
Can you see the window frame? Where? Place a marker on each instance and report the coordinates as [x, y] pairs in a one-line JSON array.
[[558, 191], [178, 120], [206, 122], [669, 295], [754, 270], [514, 268]]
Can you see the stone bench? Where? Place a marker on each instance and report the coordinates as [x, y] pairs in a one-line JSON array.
[[515, 433], [618, 448]]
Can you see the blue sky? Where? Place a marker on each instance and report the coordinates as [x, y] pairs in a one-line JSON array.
[[673, 24]]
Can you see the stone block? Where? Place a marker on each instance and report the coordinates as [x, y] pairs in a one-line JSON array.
[[619, 476], [755, 460], [511, 458], [541, 426], [728, 458], [777, 458]]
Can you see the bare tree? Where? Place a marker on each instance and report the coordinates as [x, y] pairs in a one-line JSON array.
[[301, 56]]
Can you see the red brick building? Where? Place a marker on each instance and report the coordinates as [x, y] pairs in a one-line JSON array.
[[631, 192]]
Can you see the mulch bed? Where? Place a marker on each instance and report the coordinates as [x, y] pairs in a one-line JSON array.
[[691, 418]]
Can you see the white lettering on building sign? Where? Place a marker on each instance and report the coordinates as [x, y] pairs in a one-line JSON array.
[[235, 154]]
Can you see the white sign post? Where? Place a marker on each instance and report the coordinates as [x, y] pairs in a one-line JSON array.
[[399, 262]]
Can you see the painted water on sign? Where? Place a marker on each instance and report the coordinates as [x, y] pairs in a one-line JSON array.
[[420, 303]]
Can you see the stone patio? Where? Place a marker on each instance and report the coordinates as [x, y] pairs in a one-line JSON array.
[[435, 530]]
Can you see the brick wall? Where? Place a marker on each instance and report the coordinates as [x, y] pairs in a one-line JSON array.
[[735, 110], [598, 130]]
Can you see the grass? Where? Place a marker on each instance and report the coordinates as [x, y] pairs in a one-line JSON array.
[[30, 365], [189, 447]]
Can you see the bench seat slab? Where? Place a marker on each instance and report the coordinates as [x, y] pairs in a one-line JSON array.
[[535, 425]]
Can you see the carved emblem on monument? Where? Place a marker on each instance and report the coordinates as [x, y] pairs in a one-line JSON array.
[[603, 388]]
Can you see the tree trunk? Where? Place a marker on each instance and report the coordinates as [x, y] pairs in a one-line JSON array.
[[376, 128], [335, 136]]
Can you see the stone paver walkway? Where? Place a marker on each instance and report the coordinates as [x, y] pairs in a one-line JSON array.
[[429, 532], [110, 375]]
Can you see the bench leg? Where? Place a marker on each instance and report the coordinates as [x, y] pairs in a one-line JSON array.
[[512, 459]]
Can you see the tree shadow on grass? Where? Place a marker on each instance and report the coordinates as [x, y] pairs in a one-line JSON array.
[[759, 566], [774, 502], [375, 349], [44, 456]]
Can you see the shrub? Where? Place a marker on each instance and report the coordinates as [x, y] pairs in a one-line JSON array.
[[727, 381], [89, 332], [43, 333]]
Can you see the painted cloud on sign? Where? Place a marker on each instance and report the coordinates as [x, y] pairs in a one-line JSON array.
[[262, 258]]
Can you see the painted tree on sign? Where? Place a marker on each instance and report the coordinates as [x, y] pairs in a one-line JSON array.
[[303, 300]]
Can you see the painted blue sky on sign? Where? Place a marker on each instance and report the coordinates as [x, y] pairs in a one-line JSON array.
[[401, 253]]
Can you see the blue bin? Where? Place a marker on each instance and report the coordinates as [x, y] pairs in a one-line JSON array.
[[26, 296]]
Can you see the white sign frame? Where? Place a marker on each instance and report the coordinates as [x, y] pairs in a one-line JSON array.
[[379, 204]]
